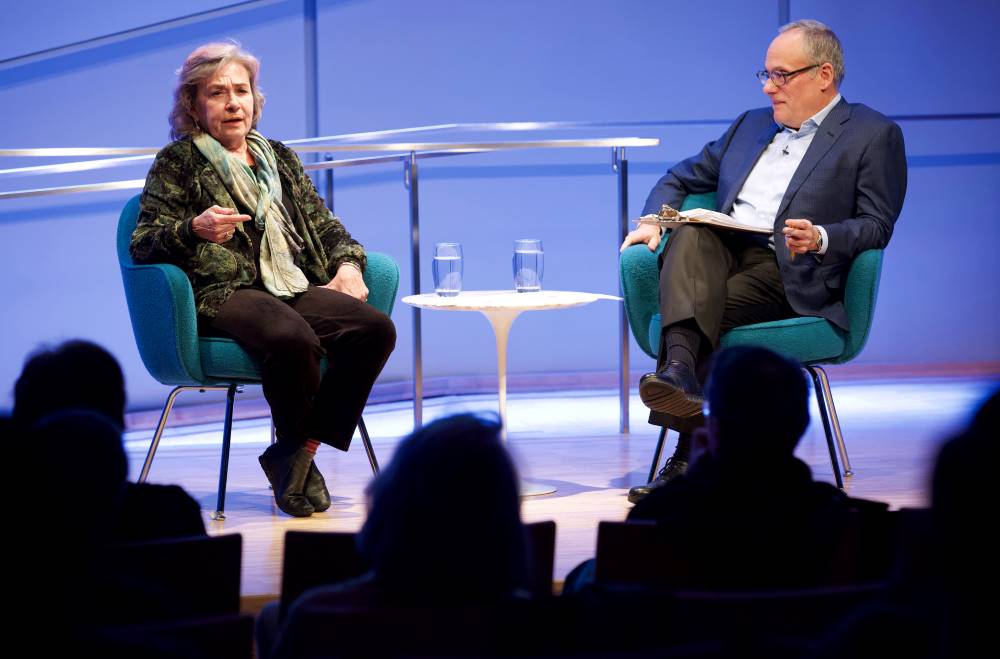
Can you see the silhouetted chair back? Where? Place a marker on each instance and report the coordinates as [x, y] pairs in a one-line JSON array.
[[542, 546], [748, 620], [516, 628], [853, 548], [176, 579], [215, 637], [630, 553], [646, 581], [314, 559]]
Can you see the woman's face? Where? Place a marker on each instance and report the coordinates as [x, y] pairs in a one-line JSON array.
[[223, 106]]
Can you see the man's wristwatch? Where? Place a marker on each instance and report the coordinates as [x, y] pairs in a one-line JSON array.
[[819, 240]]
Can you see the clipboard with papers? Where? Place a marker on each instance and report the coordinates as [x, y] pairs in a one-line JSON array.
[[671, 219]]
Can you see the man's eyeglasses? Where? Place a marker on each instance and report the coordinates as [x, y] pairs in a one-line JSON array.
[[781, 78]]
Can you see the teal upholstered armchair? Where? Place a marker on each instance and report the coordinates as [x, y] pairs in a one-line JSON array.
[[811, 340], [164, 321]]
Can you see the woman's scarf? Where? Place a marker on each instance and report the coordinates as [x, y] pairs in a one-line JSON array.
[[261, 190]]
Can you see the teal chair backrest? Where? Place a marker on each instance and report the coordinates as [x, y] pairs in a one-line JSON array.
[[161, 306], [860, 295], [639, 272], [165, 322]]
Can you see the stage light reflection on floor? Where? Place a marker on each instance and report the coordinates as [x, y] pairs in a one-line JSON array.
[[940, 406]]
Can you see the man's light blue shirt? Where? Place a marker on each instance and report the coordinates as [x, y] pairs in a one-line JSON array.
[[758, 200]]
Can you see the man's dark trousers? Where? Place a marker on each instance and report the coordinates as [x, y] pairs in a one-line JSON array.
[[720, 280]]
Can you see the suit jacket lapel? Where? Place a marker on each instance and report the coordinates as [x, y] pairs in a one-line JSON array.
[[826, 136], [746, 166]]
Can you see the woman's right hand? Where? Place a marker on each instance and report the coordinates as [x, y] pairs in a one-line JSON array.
[[217, 224]]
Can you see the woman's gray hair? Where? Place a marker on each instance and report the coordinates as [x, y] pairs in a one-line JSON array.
[[821, 44], [200, 65]]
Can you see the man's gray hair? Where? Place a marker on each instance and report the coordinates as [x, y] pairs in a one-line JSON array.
[[821, 45]]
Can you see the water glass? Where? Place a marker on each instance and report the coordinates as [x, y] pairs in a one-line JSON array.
[[528, 265], [448, 269]]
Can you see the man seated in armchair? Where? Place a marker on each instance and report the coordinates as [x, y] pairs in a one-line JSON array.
[[825, 176]]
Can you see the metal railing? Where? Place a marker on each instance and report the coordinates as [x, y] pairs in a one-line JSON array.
[[408, 154]]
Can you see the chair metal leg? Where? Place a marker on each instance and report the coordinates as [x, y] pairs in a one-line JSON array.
[[274, 440], [155, 444], [227, 436], [835, 421], [368, 446], [657, 454], [821, 393]]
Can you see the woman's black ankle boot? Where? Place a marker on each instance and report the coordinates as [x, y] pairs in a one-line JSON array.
[[287, 474]]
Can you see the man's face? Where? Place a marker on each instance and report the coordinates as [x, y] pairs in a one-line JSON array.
[[804, 94]]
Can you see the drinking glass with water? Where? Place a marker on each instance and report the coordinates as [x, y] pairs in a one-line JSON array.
[[448, 269], [528, 265]]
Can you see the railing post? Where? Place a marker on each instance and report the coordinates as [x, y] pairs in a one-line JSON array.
[[329, 184], [411, 181], [620, 164]]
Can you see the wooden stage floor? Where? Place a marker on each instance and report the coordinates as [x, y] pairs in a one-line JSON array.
[[568, 440]]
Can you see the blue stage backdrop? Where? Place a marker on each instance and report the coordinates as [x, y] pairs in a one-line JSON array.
[[385, 64]]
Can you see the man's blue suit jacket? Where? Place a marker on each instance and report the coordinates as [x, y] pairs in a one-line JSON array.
[[851, 181]]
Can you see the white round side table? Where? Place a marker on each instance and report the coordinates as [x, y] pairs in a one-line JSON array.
[[500, 309]]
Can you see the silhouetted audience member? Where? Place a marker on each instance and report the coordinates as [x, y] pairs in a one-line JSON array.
[[82, 375], [65, 513], [76, 374], [961, 511], [748, 489], [748, 513], [73, 501], [90, 471], [443, 529], [447, 505], [939, 607]]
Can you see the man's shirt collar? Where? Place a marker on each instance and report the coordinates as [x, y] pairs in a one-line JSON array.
[[813, 122]]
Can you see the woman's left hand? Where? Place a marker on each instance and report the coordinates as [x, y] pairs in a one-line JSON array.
[[349, 281]]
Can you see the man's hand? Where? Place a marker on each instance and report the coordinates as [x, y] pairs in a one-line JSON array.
[[217, 224], [644, 233], [348, 280], [801, 236]]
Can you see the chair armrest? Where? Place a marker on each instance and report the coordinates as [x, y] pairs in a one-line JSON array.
[[382, 279], [859, 299], [639, 270], [640, 280]]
